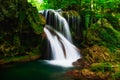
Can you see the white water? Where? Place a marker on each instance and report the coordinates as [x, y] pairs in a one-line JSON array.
[[64, 53], [72, 53], [62, 27]]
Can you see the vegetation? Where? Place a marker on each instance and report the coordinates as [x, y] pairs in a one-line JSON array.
[[20, 29], [99, 25], [90, 12], [39, 4], [98, 35]]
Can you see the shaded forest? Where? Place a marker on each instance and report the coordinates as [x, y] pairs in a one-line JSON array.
[[98, 35]]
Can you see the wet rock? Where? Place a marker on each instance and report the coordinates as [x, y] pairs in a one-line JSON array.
[[84, 74], [81, 63], [74, 73]]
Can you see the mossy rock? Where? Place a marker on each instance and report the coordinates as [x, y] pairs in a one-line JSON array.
[[117, 54], [70, 13], [87, 74], [102, 66], [97, 54], [97, 71], [104, 35], [20, 29], [36, 21]]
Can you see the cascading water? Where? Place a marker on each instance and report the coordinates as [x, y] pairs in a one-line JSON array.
[[58, 34], [58, 22], [73, 19]]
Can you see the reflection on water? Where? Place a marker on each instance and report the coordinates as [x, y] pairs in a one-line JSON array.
[[36, 70]]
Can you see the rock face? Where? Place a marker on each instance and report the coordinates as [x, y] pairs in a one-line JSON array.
[[20, 29]]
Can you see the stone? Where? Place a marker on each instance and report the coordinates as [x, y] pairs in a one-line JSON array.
[[96, 54]]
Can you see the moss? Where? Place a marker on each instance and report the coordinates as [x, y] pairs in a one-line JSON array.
[[20, 29], [114, 21], [102, 67], [105, 36], [97, 71], [116, 76], [70, 13], [15, 59], [96, 54]]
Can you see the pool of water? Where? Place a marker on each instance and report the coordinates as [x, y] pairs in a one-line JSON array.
[[35, 70]]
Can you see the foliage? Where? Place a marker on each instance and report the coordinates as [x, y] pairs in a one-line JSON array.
[[116, 76], [39, 4], [102, 67], [96, 53], [106, 35], [114, 21], [20, 28]]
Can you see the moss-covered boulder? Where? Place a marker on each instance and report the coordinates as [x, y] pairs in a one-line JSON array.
[[94, 54], [20, 29], [86, 74], [97, 54], [97, 71], [97, 63]]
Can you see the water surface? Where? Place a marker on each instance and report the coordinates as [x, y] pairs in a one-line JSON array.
[[35, 70]]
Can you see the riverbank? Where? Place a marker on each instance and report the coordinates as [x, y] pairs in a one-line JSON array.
[[5, 62], [97, 63]]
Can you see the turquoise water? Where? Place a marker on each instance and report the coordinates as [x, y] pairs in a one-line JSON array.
[[36, 70]]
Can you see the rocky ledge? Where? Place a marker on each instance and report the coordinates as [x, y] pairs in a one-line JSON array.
[[97, 64]]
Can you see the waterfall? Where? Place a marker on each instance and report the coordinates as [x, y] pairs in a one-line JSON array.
[[73, 19], [58, 22], [59, 37]]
